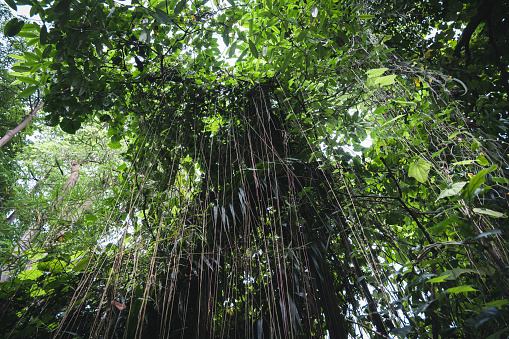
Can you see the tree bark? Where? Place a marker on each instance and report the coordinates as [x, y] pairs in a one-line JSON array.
[[22, 125]]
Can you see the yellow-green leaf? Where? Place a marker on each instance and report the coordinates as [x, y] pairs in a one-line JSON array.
[[461, 289], [439, 279], [419, 170]]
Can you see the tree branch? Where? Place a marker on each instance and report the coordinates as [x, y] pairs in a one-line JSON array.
[[22, 125]]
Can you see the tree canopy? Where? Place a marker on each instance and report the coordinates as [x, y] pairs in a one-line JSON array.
[[261, 169]]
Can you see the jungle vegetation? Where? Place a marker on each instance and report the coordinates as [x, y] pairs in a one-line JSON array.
[[254, 169]]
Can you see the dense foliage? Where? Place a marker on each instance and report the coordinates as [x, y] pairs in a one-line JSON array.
[[319, 184]]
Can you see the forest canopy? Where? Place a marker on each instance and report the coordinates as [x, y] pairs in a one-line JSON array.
[[255, 169]]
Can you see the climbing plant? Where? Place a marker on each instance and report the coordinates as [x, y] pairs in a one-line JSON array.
[[316, 185]]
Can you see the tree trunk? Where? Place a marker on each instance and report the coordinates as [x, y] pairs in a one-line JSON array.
[[34, 190], [22, 125], [33, 230]]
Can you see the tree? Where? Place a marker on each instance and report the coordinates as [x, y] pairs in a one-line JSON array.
[[251, 206]]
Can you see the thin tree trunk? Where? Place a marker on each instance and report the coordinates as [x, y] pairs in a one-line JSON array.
[[34, 190], [34, 229], [22, 125]]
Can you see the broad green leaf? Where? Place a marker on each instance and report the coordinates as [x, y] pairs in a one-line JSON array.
[[455, 273], [376, 72], [453, 135], [62, 7], [226, 36], [386, 80], [81, 265], [403, 331], [482, 161], [28, 91], [302, 35], [47, 51], [381, 81], [161, 17], [13, 27], [30, 274], [253, 50], [477, 181], [501, 180], [286, 62], [453, 190], [179, 7], [15, 56], [11, 4], [28, 80], [419, 170], [439, 279], [69, 126], [440, 227], [461, 289], [231, 51], [486, 315], [497, 303], [489, 212]]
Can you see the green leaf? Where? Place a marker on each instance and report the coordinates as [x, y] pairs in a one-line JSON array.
[[81, 265], [501, 180], [286, 62], [381, 81], [47, 51], [464, 162], [497, 303], [455, 273], [179, 7], [376, 72], [161, 17], [386, 80], [482, 161], [365, 16], [62, 7], [485, 315], [69, 126], [253, 50], [453, 190], [28, 80], [30, 274], [11, 4], [489, 212], [477, 181], [231, 51], [302, 35], [28, 91], [440, 227], [226, 36], [403, 103], [13, 27], [419, 170], [403, 331], [461, 289], [439, 279]]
